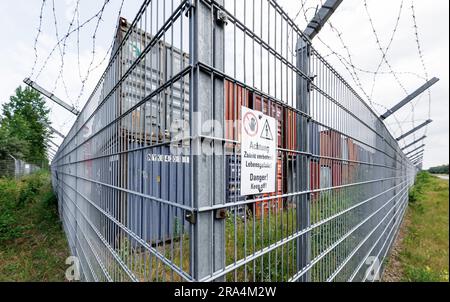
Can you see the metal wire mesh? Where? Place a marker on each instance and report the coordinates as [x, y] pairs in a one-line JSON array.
[[148, 179]]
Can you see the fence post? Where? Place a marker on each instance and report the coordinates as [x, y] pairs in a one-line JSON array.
[[303, 163], [207, 98]]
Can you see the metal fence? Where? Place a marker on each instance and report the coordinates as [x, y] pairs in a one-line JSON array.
[[148, 179], [13, 167]]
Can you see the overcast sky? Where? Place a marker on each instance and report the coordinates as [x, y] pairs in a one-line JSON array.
[[19, 20]]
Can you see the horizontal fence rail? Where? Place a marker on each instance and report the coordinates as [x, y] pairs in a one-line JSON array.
[[149, 177]]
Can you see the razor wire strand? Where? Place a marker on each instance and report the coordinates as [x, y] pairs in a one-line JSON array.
[[380, 48], [397, 22], [112, 42], [36, 39], [108, 52], [61, 43], [354, 75], [62, 51], [383, 60], [384, 55], [55, 47], [339, 34], [413, 109], [422, 62], [421, 55], [94, 38], [78, 47]]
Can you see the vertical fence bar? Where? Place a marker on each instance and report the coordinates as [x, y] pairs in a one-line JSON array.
[[208, 169], [303, 163]]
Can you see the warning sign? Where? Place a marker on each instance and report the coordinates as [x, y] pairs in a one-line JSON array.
[[267, 132], [258, 153]]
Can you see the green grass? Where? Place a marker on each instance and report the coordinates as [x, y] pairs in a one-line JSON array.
[[247, 234], [32, 244], [424, 254]]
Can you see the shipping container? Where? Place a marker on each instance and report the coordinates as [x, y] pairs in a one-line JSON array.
[[236, 97], [158, 113], [331, 165], [161, 176], [349, 158], [332, 161]]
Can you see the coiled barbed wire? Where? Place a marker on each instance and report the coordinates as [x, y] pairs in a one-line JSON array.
[[78, 28], [421, 55], [380, 48], [37, 38], [391, 40], [94, 37], [62, 52]]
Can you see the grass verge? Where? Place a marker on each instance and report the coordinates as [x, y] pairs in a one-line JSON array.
[[422, 255], [32, 243]]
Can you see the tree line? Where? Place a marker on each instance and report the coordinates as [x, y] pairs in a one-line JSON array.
[[24, 128], [439, 170]]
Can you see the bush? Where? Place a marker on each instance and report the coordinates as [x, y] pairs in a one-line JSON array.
[[423, 179], [15, 198], [30, 189], [8, 219]]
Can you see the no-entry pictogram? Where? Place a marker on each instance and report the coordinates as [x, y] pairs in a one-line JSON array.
[[251, 124]]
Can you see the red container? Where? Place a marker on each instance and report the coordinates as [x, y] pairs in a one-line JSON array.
[[315, 177], [273, 204], [349, 165], [290, 119], [235, 97], [330, 147]]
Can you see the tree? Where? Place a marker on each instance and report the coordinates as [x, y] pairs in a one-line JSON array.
[[23, 127], [439, 170], [11, 145]]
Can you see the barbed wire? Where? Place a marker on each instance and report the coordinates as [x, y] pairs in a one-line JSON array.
[[62, 51], [419, 47], [94, 38], [380, 48], [61, 46], [78, 28], [349, 65], [384, 55], [37, 38], [387, 47], [78, 48], [353, 71], [353, 75], [421, 56], [108, 52], [362, 70]]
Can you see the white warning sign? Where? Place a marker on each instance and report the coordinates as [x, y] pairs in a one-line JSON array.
[[258, 153]]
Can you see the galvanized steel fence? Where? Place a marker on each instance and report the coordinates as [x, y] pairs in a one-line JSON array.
[[13, 167], [148, 178]]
